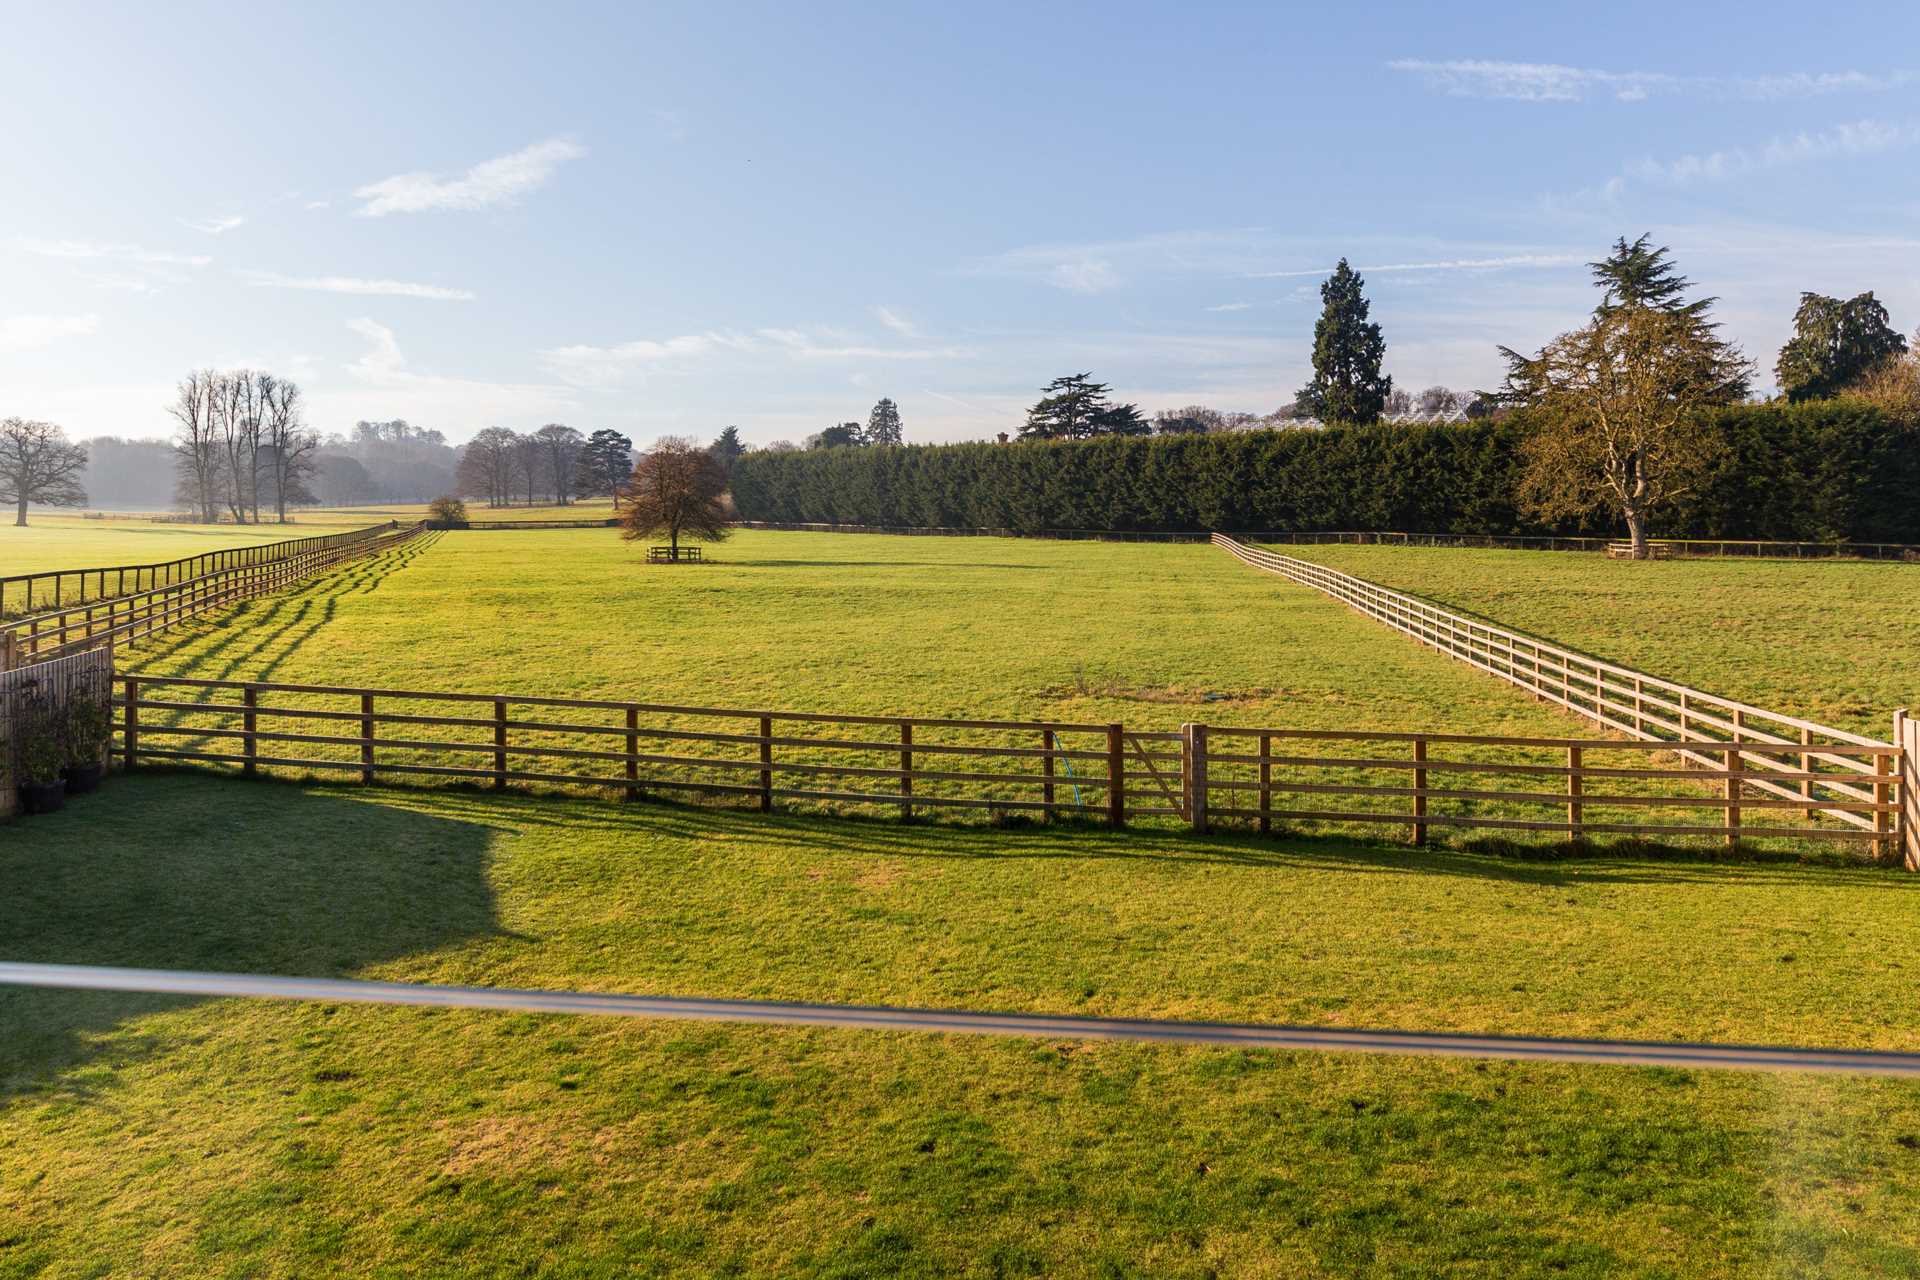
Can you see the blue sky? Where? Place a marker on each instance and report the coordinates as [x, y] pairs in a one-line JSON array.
[[673, 217]]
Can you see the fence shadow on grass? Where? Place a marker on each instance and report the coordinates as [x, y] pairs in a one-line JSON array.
[[883, 836], [216, 876]]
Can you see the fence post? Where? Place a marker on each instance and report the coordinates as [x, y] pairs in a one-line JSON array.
[[1806, 766], [633, 750], [1266, 784], [1639, 708], [8, 648], [251, 697], [1733, 796], [366, 738], [1574, 790], [1906, 736], [130, 740], [499, 744], [1883, 818], [1116, 775], [1196, 738], [1046, 768], [906, 771], [766, 764], [1419, 790]]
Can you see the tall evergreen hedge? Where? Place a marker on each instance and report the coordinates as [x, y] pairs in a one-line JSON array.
[[1830, 470]]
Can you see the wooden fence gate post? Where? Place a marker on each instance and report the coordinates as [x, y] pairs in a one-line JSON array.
[[1116, 775], [499, 744], [766, 764], [906, 772], [250, 744], [130, 740], [1419, 790], [1906, 736], [366, 738], [1194, 738]]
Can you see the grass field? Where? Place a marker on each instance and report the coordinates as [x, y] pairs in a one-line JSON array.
[[74, 542], [1147, 634], [1833, 641], [171, 1137], [64, 540]]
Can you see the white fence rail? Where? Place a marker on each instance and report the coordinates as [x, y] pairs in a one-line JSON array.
[[1632, 702]]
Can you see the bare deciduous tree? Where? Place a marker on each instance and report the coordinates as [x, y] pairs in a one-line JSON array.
[[1620, 405], [486, 466], [287, 446], [196, 444], [39, 464], [677, 488], [562, 446]]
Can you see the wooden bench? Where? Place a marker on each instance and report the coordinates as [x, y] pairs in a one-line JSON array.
[[1624, 551], [670, 555]]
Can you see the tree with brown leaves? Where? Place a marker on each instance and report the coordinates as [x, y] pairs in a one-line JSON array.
[[677, 489]]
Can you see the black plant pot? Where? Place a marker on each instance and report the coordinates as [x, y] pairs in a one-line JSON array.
[[82, 778], [43, 797]]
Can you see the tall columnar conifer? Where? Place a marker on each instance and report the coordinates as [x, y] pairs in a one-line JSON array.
[[1347, 385]]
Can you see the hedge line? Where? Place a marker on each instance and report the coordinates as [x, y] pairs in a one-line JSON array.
[[1811, 472]]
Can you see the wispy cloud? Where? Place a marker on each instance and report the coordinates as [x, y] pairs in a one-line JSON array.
[[896, 322], [115, 252], [357, 286], [1862, 137], [214, 226], [1507, 262], [1102, 266], [1554, 82], [833, 345], [502, 179], [457, 403], [28, 333], [1234, 306], [585, 365]]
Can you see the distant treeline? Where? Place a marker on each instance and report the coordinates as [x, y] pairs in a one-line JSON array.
[[1822, 471]]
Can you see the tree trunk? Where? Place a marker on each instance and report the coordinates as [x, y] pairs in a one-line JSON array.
[[20, 515], [1637, 531]]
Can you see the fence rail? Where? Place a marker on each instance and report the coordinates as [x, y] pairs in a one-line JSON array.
[[1586, 787], [22, 593], [123, 619], [1632, 702], [914, 765], [1684, 548], [904, 763]]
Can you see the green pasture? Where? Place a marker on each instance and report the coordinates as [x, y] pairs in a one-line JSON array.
[[170, 1137]]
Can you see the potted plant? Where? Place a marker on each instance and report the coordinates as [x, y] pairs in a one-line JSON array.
[[39, 756], [89, 726]]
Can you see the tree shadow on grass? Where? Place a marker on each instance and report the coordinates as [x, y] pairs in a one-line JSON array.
[[179, 872]]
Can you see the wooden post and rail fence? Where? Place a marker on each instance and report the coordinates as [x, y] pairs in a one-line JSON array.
[[1206, 776], [25, 593], [114, 620], [1826, 773]]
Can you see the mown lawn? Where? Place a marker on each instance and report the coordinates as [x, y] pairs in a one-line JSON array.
[[68, 541], [1147, 634], [1834, 641], [186, 1138]]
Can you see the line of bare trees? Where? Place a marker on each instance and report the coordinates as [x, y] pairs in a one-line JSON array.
[[555, 463], [240, 445]]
